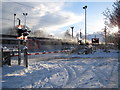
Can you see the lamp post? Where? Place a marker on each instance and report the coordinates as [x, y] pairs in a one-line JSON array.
[[85, 23], [25, 14], [72, 31]]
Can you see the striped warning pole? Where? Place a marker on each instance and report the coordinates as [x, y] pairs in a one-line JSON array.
[[46, 52], [25, 53]]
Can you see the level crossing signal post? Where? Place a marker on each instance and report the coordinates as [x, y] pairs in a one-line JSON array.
[[23, 32], [19, 34]]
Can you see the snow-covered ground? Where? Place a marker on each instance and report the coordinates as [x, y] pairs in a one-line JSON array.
[[60, 70]]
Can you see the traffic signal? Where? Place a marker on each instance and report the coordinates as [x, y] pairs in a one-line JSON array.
[[26, 33], [22, 30], [19, 30], [19, 33]]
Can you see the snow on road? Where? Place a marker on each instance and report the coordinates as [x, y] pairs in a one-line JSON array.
[[88, 71]]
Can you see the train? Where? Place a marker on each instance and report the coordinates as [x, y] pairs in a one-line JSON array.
[[36, 44]]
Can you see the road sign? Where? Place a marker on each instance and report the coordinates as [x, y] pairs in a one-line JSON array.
[[95, 40]]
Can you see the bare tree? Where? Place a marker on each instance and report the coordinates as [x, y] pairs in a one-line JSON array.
[[77, 36], [67, 35], [113, 17]]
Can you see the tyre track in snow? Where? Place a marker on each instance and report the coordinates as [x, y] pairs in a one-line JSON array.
[[74, 77], [101, 76], [43, 76], [71, 74], [73, 81]]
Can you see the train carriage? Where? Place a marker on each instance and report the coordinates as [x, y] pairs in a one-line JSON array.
[[35, 43]]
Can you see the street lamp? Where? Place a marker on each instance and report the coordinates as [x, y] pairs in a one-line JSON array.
[[25, 14], [72, 31], [85, 23]]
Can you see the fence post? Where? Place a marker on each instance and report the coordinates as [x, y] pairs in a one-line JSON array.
[[9, 59], [25, 57], [1, 57]]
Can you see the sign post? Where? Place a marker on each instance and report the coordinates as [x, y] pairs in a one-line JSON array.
[[95, 40]]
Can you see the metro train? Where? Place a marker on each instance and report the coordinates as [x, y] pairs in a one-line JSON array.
[[36, 43]]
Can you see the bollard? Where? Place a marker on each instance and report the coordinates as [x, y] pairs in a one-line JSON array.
[[25, 57]]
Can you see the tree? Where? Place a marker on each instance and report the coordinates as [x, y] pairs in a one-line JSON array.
[[67, 34], [113, 17], [111, 38], [77, 36]]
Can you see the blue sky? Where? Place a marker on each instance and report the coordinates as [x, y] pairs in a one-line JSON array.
[[94, 14], [57, 17]]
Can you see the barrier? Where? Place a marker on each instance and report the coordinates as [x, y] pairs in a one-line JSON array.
[[7, 54], [45, 52]]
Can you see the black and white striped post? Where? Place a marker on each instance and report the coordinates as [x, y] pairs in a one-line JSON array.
[[25, 54]]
